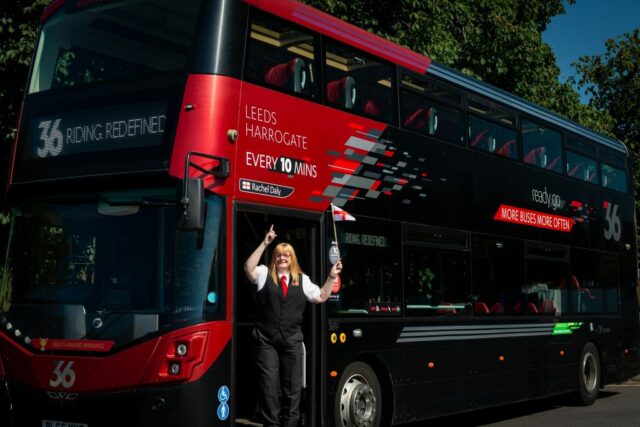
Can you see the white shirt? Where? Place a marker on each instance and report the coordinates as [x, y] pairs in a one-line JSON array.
[[310, 289]]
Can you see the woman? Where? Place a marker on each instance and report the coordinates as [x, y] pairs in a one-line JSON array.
[[283, 290]]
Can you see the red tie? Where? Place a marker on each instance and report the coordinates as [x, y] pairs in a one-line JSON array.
[[283, 282]]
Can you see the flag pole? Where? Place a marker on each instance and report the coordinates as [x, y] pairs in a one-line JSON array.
[[335, 233]]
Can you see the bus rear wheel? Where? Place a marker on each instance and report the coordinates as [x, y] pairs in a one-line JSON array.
[[589, 375], [359, 398]]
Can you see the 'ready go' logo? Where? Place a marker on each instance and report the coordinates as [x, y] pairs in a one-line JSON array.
[[51, 137]]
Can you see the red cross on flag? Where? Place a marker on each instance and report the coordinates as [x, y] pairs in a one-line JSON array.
[[340, 214]]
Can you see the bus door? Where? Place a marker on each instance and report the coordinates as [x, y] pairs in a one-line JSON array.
[[302, 231]]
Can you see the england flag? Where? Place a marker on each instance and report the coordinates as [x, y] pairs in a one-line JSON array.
[[340, 214]]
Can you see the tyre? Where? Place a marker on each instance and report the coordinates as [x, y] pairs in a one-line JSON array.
[[589, 375], [359, 397]]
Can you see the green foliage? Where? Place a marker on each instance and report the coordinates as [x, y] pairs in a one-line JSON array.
[[5, 287], [425, 281], [612, 79], [18, 30]]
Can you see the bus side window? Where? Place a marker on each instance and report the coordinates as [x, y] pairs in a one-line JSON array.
[[358, 81], [431, 108], [614, 178], [436, 281], [492, 128], [281, 56], [581, 167], [541, 146], [488, 136], [370, 282], [498, 273], [545, 288], [594, 278]]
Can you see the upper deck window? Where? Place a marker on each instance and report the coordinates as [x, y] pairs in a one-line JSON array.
[[489, 136], [490, 110], [580, 146], [582, 167], [113, 41], [358, 81], [614, 178], [424, 109], [281, 56], [541, 146]]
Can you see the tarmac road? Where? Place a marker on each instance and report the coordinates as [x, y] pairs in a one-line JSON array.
[[617, 406]]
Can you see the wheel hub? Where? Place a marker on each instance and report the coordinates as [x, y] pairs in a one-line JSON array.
[[357, 403]]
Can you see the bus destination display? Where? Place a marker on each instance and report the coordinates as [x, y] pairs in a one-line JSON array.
[[109, 128]]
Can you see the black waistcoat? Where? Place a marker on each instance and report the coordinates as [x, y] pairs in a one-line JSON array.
[[277, 314]]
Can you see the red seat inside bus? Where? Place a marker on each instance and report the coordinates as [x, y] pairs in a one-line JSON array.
[[547, 307], [479, 138], [290, 75], [423, 119], [373, 107], [484, 141], [480, 308], [508, 149], [342, 92], [497, 308], [531, 308], [577, 170], [552, 164], [536, 157], [444, 310]]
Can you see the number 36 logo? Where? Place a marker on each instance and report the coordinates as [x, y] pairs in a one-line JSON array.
[[63, 374], [51, 137], [613, 227]]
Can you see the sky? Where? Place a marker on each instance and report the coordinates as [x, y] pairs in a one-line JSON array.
[[585, 27]]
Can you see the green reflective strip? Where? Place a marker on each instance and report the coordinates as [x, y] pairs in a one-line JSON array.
[[566, 328]]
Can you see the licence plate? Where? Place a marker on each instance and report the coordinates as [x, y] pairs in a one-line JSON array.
[[51, 423]]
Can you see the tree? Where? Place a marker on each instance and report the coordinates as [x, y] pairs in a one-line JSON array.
[[18, 29], [612, 79]]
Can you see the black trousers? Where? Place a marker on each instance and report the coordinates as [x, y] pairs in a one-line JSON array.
[[279, 362]]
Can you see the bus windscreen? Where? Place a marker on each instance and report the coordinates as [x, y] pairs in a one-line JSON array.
[[112, 41], [108, 268]]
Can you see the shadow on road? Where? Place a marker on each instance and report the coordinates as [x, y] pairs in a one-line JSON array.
[[503, 413]]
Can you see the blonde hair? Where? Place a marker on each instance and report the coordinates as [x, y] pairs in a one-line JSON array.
[[294, 269]]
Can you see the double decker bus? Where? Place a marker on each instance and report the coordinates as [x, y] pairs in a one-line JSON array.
[[492, 259]]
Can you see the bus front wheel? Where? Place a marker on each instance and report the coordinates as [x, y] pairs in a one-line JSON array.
[[359, 398], [589, 375]]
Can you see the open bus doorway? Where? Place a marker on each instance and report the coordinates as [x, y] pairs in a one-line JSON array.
[[303, 233]]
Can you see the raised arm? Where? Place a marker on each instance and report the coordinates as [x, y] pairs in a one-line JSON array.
[[252, 262], [325, 290]]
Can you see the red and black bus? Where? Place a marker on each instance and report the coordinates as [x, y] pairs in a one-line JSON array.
[[492, 260]]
